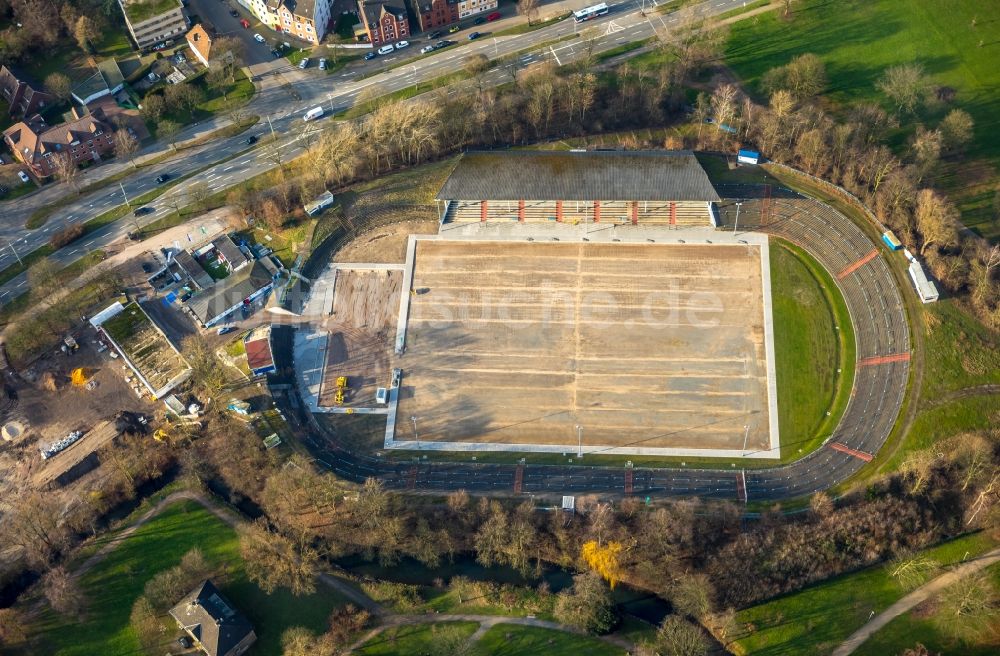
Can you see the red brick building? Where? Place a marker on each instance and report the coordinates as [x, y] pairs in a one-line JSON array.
[[436, 13], [34, 143], [385, 22], [24, 97]]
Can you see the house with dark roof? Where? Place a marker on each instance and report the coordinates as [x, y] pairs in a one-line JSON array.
[[25, 97], [385, 22], [229, 254], [213, 623], [239, 290], [188, 268], [649, 187], [105, 81], [37, 145]]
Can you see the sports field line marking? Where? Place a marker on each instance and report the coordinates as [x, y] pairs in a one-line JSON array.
[[884, 359], [857, 265], [843, 448]]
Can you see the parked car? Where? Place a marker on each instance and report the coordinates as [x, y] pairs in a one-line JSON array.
[[234, 13], [427, 49], [245, 23], [304, 63], [436, 34], [160, 179], [275, 53], [142, 211], [259, 39], [370, 55], [251, 140], [475, 35], [453, 29], [322, 64], [147, 267], [160, 46], [402, 44], [444, 43], [24, 176], [496, 15], [386, 49], [479, 20], [225, 329]]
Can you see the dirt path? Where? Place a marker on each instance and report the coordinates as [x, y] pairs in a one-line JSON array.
[[916, 597]]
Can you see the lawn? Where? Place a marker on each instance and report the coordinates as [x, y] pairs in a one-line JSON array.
[[525, 27], [815, 620], [921, 625], [214, 100], [964, 353], [117, 581], [814, 361], [418, 639], [859, 39], [513, 640]]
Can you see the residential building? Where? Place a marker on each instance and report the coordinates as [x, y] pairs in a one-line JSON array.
[[154, 21], [468, 8], [24, 97], [384, 22], [305, 19], [87, 137], [257, 345], [229, 254], [238, 291], [215, 625], [435, 13], [200, 43]]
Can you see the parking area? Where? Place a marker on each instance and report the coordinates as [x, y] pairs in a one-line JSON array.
[[217, 13]]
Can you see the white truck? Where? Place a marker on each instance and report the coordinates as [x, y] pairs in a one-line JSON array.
[[313, 114]]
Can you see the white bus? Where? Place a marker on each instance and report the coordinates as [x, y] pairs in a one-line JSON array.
[[313, 113], [587, 13]]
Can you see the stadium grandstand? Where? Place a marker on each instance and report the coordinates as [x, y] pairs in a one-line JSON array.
[[667, 188]]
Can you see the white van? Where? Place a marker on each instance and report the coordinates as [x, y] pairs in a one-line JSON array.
[[313, 114], [385, 50]]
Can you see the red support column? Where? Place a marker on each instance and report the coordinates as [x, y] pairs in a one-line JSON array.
[[482, 211], [673, 213], [597, 211], [559, 214], [520, 211], [635, 212]]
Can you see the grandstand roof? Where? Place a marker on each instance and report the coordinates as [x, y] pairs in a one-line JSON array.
[[587, 175]]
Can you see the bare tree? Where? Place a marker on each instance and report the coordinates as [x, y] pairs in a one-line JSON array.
[[967, 606], [925, 148], [58, 85], [153, 106], [35, 524], [65, 169], [937, 220], [956, 130], [804, 76], [12, 624], [906, 85], [63, 592], [679, 637], [527, 8], [126, 145], [273, 561], [168, 130]]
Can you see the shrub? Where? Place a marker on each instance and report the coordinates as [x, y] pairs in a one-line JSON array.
[[67, 235]]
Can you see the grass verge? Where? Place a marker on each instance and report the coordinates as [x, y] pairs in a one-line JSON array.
[[526, 27], [410, 640], [818, 618], [513, 639]]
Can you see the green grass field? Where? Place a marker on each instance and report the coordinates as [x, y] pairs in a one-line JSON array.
[[814, 362], [514, 640], [966, 353], [418, 639], [117, 581], [859, 39], [815, 620], [922, 625]]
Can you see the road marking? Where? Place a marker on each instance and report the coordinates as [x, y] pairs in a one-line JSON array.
[[843, 448], [884, 359], [857, 265], [559, 63]]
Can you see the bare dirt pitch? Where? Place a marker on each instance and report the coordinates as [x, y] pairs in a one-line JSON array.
[[649, 349], [361, 330]]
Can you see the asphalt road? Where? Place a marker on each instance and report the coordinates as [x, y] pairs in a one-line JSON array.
[[883, 345], [284, 94]]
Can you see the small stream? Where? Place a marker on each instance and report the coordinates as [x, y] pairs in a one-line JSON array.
[[635, 602]]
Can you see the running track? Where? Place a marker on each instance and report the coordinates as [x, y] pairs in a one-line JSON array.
[[883, 344]]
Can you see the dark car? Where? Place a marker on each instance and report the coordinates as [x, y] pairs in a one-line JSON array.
[[234, 13], [444, 43], [275, 53], [436, 34], [147, 267], [370, 56], [479, 21], [142, 211], [475, 35], [160, 179], [251, 140]]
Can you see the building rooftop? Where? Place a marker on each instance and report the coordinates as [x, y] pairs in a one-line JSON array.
[[33, 144], [591, 175], [200, 41], [229, 251], [372, 9], [231, 291], [138, 11], [212, 620], [258, 348], [195, 271]]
